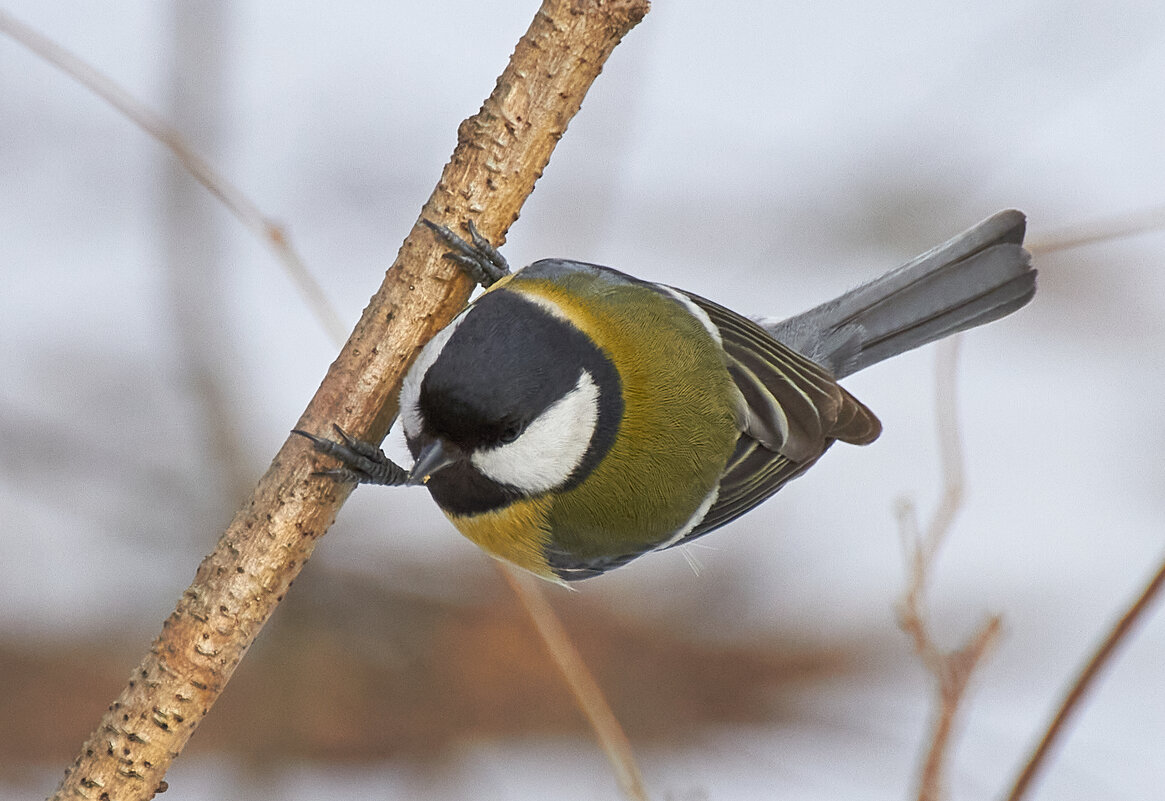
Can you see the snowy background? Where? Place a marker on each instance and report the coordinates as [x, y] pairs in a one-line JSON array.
[[764, 155]]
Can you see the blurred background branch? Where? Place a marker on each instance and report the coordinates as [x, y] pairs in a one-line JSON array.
[[194, 251], [950, 669], [1080, 688], [197, 75]]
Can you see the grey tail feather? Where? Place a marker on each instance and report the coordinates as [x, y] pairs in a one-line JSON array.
[[979, 276]]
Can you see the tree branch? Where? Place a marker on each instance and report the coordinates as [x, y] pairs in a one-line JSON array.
[[500, 153], [1119, 633], [951, 669], [215, 182], [1091, 232]]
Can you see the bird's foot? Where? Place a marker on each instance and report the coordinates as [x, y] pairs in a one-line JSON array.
[[480, 260], [363, 462]]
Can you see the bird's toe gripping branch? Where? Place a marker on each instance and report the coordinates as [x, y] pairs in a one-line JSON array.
[[363, 462], [480, 260]]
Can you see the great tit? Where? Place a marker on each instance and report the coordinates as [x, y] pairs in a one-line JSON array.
[[573, 417]]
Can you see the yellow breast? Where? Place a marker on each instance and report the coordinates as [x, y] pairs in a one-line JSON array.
[[518, 533]]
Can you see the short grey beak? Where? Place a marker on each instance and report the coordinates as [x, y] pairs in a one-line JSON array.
[[433, 457]]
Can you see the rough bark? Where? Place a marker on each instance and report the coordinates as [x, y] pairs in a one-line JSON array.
[[500, 153]]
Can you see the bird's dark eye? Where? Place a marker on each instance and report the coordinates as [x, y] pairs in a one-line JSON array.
[[510, 433]]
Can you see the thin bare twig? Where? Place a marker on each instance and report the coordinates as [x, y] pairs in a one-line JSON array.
[[501, 151], [156, 126], [952, 670], [582, 684], [1103, 230], [1084, 681], [192, 240]]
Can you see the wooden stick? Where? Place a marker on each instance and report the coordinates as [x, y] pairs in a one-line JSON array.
[[500, 153]]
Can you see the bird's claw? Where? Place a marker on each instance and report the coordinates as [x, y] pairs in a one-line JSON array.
[[363, 462], [480, 260]]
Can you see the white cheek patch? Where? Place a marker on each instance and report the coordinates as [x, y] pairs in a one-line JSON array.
[[410, 389], [551, 447]]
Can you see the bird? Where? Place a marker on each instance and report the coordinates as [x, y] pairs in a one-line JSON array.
[[573, 418]]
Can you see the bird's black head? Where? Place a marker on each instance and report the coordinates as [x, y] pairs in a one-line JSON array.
[[526, 399]]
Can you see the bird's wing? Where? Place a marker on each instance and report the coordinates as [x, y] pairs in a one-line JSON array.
[[754, 474], [794, 410]]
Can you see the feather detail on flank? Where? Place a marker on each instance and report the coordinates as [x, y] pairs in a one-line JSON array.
[[695, 311], [693, 521]]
